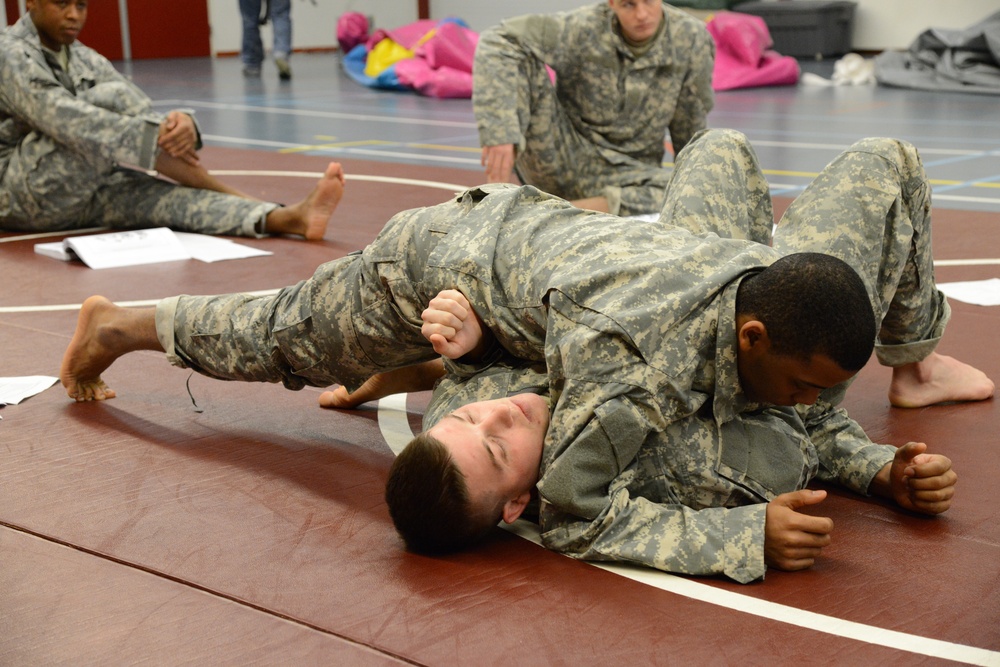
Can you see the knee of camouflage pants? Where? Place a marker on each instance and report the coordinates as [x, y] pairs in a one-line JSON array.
[[902, 155], [49, 187], [708, 138], [718, 187]]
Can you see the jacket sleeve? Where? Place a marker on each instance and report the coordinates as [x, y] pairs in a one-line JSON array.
[[669, 537], [503, 55], [847, 456], [604, 410], [587, 511], [696, 96], [32, 95]]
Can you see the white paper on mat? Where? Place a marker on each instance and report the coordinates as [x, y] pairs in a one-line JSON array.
[[139, 246], [214, 249], [13, 390], [979, 292], [145, 246]]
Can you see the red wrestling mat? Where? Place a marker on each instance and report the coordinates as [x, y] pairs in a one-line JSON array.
[[255, 530]]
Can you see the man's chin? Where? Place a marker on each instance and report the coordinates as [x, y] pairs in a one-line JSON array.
[[534, 407], [642, 35]]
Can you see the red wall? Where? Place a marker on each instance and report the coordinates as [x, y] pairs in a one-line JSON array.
[[103, 29], [11, 7], [174, 29]]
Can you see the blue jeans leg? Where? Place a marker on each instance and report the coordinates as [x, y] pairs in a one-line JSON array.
[[252, 51], [281, 22]]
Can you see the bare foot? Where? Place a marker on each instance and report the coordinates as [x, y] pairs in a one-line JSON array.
[[937, 379], [310, 216], [411, 378], [103, 333]]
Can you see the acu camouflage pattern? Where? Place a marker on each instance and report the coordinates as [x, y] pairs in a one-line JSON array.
[[838, 215], [600, 130], [648, 458], [692, 499], [65, 145]]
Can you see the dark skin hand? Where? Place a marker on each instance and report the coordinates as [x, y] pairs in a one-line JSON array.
[[179, 137], [793, 540], [915, 480]]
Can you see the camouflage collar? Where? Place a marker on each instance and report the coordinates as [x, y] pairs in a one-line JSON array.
[[729, 400]]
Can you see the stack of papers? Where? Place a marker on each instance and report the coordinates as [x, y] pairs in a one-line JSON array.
[[144, 246]]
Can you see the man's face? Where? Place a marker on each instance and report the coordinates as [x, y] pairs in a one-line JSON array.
[[58, 21], [497, 445], [780, 379], [639, 18]]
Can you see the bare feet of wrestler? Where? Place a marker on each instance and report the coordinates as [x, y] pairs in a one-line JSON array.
[[937, 379], [310, 216], [411, 378], [103, 333]]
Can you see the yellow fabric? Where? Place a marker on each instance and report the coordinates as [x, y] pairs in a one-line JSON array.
[[430, 33], [385, 54]]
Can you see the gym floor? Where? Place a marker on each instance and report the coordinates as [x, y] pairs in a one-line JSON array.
[[251, 529]]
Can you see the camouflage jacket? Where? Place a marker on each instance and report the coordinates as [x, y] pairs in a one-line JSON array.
[[105, 116], [620, 103], [653, 454]]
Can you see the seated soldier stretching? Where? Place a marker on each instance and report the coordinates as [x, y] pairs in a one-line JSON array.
[[77, 137]]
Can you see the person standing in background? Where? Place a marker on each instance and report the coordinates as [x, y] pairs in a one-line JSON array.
[[256, 13]]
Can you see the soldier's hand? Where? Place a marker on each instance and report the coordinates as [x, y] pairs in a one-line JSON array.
[[499, 163], [451, 325], [178, 136], [921, 482], [792, 540]]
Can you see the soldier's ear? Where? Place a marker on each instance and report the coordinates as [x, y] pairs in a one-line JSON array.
[[513, 508], [752, 336]]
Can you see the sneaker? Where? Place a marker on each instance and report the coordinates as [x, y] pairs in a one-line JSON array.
[[284, 69], [251, 72]]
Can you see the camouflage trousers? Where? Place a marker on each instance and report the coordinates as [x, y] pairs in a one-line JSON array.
[[869, 207], [356, 316], [48, 188], [558, 159]]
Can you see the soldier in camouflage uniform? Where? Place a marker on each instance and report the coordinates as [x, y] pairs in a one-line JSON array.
[[74, 134], [625, 73], [648, 453], [693, 497]]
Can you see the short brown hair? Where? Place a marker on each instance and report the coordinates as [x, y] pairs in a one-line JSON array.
[[429, 500]]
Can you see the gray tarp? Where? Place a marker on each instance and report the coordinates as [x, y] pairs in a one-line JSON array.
[[952, 60]]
